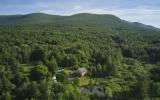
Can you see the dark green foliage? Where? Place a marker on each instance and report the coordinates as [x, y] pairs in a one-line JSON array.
[[52, 66], [155, 74], [39, 72], [142, 88], [120, 58], [107, 62], [62, 77], [154, 90], [37, 55], [69, 61], [7, 96]]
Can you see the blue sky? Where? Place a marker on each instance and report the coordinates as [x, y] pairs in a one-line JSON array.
[[144, 11]]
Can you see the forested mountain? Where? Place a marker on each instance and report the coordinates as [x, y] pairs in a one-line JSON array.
[[82, 19], [40, 57]]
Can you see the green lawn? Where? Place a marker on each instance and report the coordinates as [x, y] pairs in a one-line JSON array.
[[84, 81], [68, 71]]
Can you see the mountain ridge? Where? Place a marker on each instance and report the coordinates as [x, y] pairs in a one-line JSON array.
[[80, 19]]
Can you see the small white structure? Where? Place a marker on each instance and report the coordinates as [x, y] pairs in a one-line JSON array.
[[61, 69], [54, 78], [82, 71]]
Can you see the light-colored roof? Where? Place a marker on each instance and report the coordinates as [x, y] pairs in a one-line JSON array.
[[54, 77], [83, 69]]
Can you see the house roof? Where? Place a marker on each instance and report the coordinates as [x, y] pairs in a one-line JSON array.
[[83, 69]]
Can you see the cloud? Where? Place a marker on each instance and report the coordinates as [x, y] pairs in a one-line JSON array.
[[144, 14]]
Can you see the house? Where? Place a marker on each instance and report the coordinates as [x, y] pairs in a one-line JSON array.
[[82, 71]]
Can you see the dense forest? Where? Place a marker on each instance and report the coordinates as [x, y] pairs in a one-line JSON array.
[[122, 59]]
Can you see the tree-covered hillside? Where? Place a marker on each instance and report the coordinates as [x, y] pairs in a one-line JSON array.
[[82, 19], [40, 55]]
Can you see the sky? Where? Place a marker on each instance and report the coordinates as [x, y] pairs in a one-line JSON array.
[[144, 11]]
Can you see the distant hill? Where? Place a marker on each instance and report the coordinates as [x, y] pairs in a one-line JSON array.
[[82, 19], [35, 18]]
